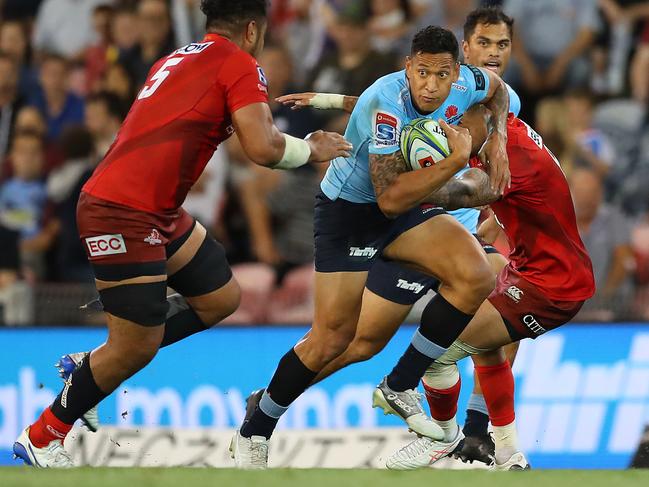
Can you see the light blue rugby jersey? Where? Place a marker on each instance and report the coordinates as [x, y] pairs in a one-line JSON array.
[[375, 125]]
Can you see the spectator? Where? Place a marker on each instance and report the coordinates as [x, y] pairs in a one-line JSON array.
[[451, 14], [118, 81], [23, 200], [29, 119], [10, 102], [606, 234], [124, 31], [64, 27], [640, 69], [96, 55], [551, 42], [58, 105], [104, 115], [390, 25], [279, 204], [63, 189], [353, 65], [155, 39], [14, 42], [585, 145]]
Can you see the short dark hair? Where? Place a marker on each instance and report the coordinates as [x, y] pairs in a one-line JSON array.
[[488, 16], [435, 40], [76, 142], [229, 13], [113, 103]]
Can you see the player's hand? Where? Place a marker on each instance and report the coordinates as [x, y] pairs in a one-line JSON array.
[[494, 157], [296, 100], [459, 141], [326, 146]]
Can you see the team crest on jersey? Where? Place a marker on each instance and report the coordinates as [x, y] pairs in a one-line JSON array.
[[262, 76], [385, 129], [153, 238], [451, 111]]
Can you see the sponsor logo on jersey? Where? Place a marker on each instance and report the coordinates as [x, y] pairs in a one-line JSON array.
[[153, 238], [362, 252], [426, 208], [514, 294], [385, 129], [459, 87], [193, 48], [451, 111], [480, 81], [415, 287], [106, 245], [534, 326]]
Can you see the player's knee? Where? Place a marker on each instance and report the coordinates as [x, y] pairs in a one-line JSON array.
[[477, 279], [226, 303], [131, 356], [362, 349]]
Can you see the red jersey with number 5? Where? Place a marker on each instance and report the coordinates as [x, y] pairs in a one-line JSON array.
[[538, 216], [180, 116]]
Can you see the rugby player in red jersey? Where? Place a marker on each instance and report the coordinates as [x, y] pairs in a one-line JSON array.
[[138, 238], [546, 282]]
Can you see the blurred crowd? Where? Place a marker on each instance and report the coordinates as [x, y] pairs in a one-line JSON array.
[[69, 70]]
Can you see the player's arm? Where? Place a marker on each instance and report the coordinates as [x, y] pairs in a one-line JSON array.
[[266, 146], [319, 101], [469, 190], [398, 189], [494, 151]]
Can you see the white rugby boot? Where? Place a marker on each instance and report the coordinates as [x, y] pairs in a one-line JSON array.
[[423, 452], [406, 405], [249, 453], [51, 456], [516, 462]]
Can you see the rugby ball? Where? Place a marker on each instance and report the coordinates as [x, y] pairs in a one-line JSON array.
[[423, 143]]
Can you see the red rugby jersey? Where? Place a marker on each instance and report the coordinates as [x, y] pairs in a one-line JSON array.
[[180, 116], [538, 216]]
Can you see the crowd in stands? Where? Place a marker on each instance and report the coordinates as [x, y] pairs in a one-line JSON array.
[[69, 70]]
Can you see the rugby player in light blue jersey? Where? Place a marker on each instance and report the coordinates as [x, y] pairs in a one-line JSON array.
[[371, 205], [392, 289]]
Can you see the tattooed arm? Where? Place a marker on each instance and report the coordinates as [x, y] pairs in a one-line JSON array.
[[469, 190], [494, 151], [398, 189]]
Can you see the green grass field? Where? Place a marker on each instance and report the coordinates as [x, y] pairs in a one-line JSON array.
[[189, 477]]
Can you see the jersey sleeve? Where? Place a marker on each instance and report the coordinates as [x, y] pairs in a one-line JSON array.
[[476, 81], [385, 116], [514, 101], [244, 81]]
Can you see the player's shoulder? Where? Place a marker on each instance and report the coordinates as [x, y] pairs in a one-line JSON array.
[[471, 78], [387, 88]]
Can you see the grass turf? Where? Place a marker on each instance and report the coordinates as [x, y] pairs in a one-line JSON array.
[[191, 477]]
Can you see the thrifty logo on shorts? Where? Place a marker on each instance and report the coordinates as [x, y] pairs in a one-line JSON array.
[[106, 245], [514, 294], [365, 252], [410, 286]]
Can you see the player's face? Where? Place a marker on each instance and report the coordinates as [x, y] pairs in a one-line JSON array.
[[489, 47], [431, 77]]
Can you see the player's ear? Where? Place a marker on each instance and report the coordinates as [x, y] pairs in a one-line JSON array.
[[408, 63], [465, 49], [456, 71]]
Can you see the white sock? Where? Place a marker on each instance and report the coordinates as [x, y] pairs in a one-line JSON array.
[[449, 427], [506, 439]]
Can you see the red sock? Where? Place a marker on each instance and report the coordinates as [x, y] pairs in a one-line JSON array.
[[497, 384], [442, 402], [48, 428]]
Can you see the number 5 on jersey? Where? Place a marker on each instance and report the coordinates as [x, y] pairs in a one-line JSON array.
[[158, 78]]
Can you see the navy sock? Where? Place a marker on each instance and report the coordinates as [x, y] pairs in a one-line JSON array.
[[290, 380], [476, 424], [182, 321], [441, 324]]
